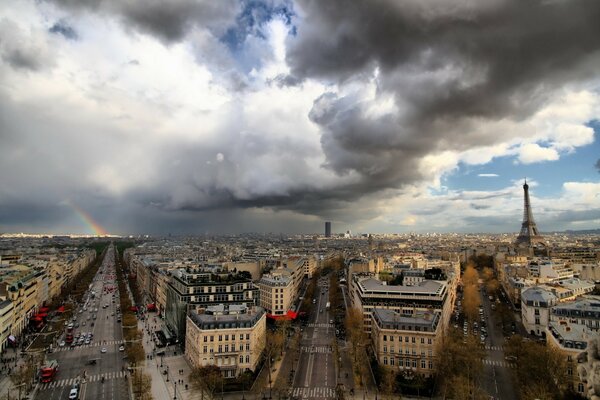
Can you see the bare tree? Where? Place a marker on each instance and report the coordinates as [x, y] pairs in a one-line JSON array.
[[206, 380]]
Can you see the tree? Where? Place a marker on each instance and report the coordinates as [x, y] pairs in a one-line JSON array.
[[142, 385], [470, 276], [471, 302], [206, 380]]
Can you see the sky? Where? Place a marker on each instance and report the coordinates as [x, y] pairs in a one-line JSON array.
[[382, 116]]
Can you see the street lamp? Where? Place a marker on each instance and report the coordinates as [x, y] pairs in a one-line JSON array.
[[175, 392]]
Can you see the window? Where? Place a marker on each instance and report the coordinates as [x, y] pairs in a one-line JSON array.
[[385, 361], [220, 337], [241, 336], [414, 363], [212, 338], [391, 360], [423, 364], [226, 348], [247, 336], [391, 338], [429, 341], [537, 312], [226, 337], [205, 349], [385, 349], [241, 359], [220, 348], [247, 359], [413, 339], [569, 370], [205, 339], [422, 340], [392, 349], [401, 362], [580, 387], [385, 338], [430, 364], [247, 346], [537, 320]]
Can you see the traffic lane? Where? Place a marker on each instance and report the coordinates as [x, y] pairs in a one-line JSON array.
[[320, 376]]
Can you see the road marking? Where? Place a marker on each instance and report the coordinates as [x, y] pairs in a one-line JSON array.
[[316, 349], [499, 364], [315, 392], [91, 378], [321, 325], [497, 348]]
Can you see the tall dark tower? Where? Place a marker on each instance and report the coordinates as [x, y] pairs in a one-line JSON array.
[[327, 229], [529, 234]]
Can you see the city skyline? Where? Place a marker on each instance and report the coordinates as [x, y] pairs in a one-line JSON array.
[[195, 117]]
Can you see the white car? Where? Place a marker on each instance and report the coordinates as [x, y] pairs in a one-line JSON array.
[[73, 394], [122, 348], [103, 350], [62, 344]]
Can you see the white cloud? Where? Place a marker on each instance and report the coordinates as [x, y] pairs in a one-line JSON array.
[[488, 175], [532, 152]]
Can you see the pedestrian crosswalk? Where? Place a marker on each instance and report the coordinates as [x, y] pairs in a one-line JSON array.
[[498, 363], [89, 378], [315, 392], [95, 344], [497, 348], [321, 325], [316, 349]]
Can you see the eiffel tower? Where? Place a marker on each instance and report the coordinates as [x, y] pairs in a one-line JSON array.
[[529, 234]]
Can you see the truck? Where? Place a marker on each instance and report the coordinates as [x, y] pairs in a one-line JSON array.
[[48, 371], [327, 306]]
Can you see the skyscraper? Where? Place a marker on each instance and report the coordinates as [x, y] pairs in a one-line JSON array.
[[327, 229], [529, 234]]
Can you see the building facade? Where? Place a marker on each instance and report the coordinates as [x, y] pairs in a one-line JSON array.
[[230, 337]]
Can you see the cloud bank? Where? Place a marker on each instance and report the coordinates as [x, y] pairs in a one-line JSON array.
[[164, 115]]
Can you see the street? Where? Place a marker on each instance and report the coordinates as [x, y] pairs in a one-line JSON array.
[[315, 375], [98, 367]]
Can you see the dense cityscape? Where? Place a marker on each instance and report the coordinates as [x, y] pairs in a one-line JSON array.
[[299, 199], [304, 316]]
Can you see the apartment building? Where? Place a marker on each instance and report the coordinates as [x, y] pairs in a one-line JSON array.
[[193, 288], [406, 340], [230, 337], [6, 320], [536, 306], [571, 340], [367, 294], [19, 285], [279, 289]]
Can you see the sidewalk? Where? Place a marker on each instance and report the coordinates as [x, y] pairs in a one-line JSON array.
[[167, 382], [6, 384]]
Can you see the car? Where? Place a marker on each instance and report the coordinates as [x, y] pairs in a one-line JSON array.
[[121, 348], [103, 350], [83, 323], [331, 321], [321, 310], [119, 320], [74, 394], [62, 344], [510, 358], [87, 341], [482, 337]]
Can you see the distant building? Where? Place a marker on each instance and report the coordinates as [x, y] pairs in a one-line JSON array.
[[230, 337], [327, 229]]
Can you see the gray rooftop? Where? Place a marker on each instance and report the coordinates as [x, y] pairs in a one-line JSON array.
[[537, 294]]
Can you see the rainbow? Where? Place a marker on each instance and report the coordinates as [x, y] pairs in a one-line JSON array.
[[89, 221]]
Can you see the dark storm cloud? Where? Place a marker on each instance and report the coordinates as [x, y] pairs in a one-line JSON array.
[[168, 20], [452, 67], [62, 28], [597, 165]]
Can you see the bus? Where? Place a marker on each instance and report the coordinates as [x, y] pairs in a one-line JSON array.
[[327, 306]]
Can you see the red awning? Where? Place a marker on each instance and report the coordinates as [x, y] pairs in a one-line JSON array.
[[42, 315], [289, 315], [61, 309], [44, 309], [133, 308], [36, 318]]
